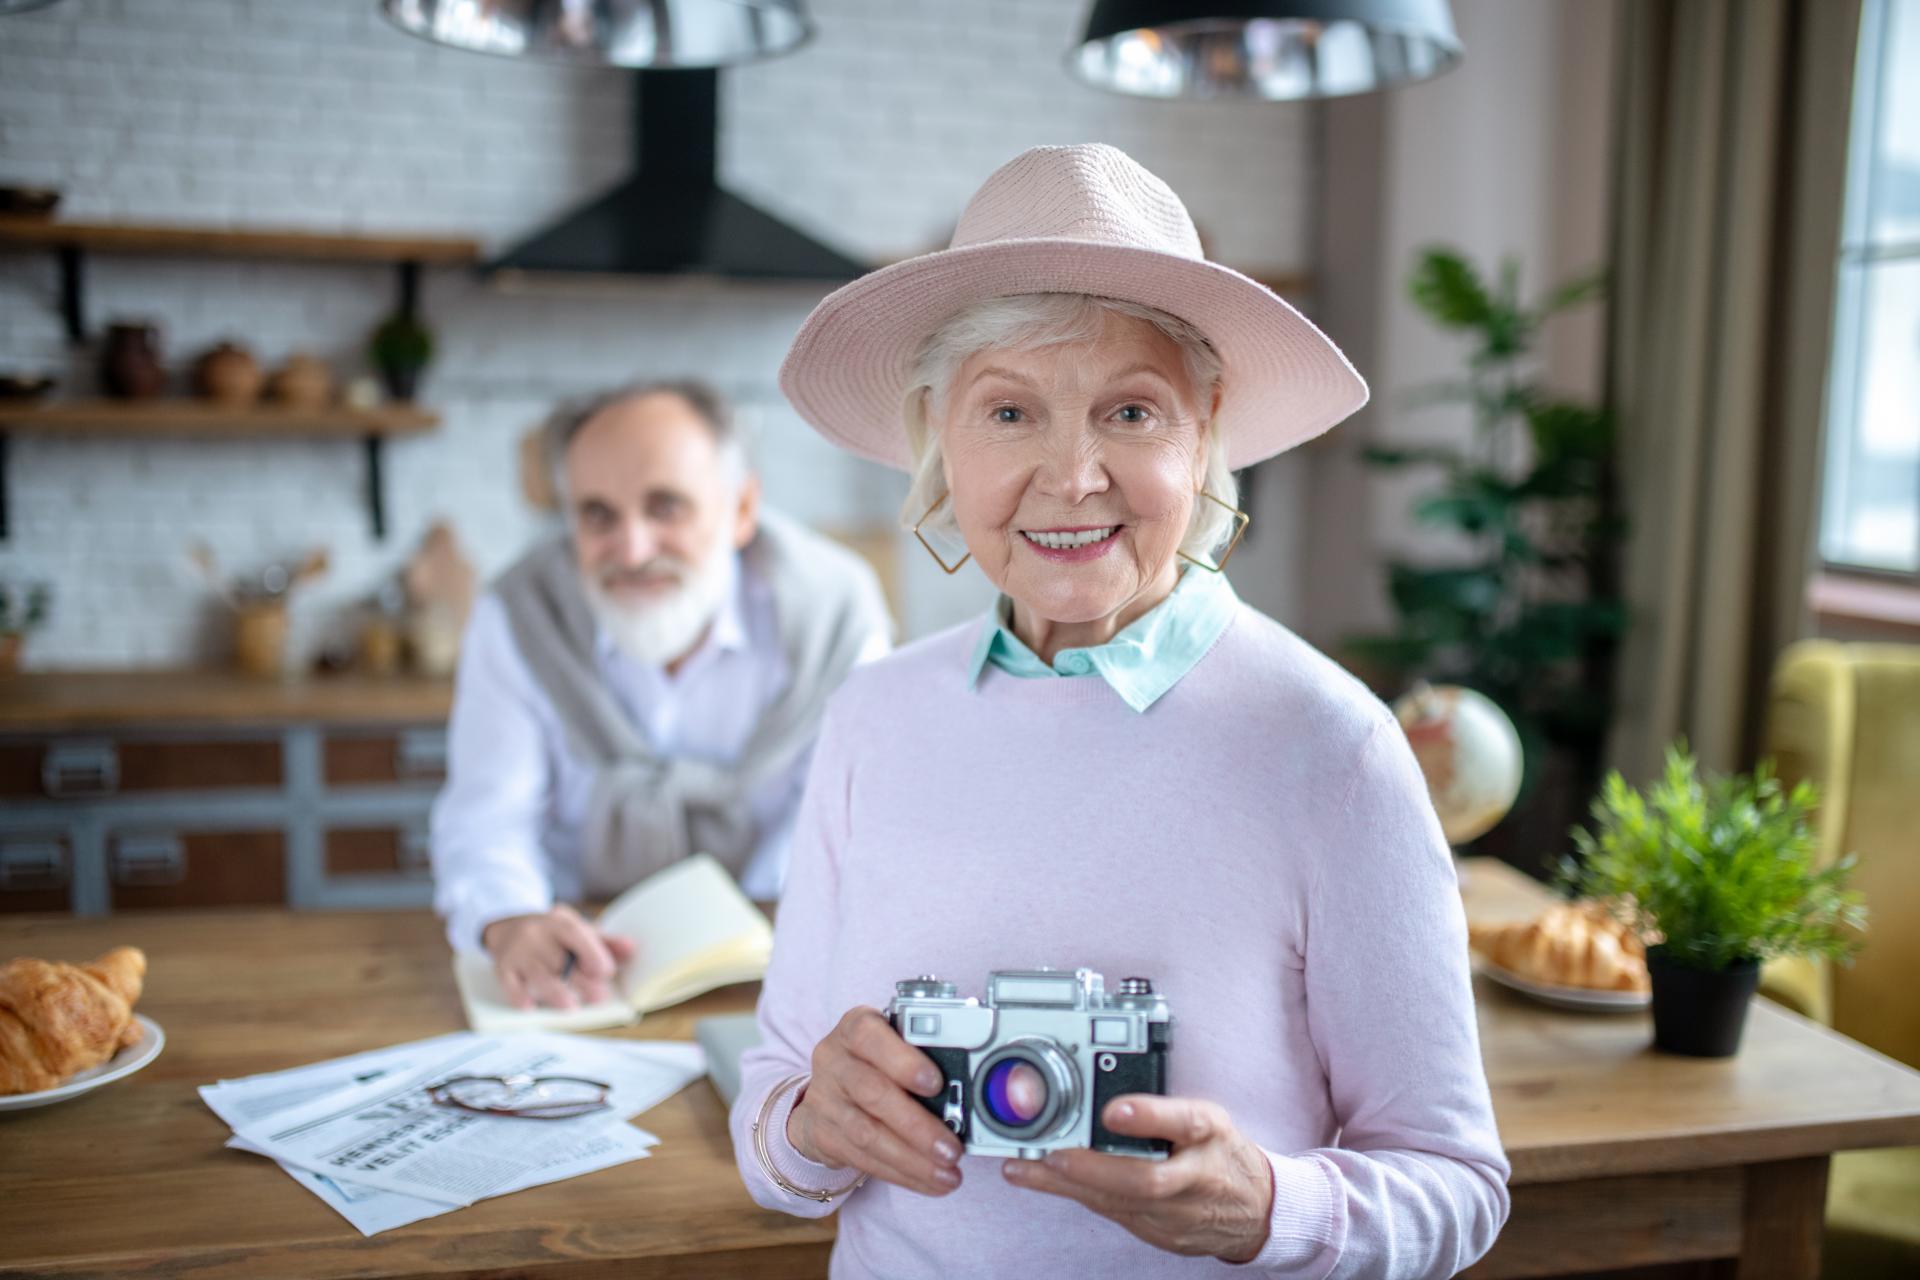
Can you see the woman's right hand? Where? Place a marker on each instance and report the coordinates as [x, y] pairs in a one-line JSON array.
[[856, 1112]]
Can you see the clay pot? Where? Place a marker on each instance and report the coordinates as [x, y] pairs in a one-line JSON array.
[[130, 365], [228, 375], [303, 382], [260, 637], [379, 647]]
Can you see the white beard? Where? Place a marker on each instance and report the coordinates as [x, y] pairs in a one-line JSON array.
[[667, 628]]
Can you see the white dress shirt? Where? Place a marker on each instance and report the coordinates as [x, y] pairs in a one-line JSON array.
[[508, 826]]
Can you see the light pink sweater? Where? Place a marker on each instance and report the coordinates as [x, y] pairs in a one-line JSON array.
[[1258, 842]]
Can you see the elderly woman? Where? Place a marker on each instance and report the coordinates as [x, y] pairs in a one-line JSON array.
[[1121, 768]]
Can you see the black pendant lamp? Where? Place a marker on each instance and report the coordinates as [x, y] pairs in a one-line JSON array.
[[1278, 50], [648, 35]]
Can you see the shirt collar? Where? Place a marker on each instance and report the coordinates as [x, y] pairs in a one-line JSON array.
[[1145, 659], [727, 632]]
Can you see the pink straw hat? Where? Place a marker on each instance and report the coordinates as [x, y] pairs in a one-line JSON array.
[[1080, 219]]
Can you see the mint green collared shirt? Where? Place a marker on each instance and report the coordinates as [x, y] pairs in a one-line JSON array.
[[1144, 660]]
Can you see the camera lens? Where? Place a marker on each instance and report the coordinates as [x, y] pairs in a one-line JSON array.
[[1027, 1088], [1016, 1093]]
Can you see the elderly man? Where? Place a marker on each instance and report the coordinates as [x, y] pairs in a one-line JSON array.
[[645, 685]]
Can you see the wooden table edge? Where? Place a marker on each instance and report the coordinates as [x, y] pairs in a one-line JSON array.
[[1714, 1149], [690, 1264]]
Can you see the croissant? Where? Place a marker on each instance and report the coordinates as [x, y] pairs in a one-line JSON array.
[[1572, 944], [56, 1019]]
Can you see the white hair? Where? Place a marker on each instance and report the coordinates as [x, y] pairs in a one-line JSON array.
[[570, 417], [1025, 322]]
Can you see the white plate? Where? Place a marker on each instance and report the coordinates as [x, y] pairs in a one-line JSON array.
[[1584, 999], [124, 1063]]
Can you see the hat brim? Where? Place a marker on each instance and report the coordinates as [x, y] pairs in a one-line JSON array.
[[847, 371]]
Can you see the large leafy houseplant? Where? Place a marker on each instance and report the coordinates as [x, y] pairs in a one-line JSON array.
[[1716, 876], [1527, 611]]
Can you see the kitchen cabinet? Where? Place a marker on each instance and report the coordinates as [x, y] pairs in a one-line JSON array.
[[160, 790]]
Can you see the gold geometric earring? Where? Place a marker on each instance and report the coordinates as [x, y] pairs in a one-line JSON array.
[[957, 565], [1240, 522]]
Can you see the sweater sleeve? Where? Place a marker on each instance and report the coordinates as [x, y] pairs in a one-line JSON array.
[[1417, 1185], [793, 1015]]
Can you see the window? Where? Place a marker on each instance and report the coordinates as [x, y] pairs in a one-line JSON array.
[[1871, 510]]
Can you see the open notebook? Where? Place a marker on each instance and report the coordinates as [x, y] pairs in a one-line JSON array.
[[693, 929]]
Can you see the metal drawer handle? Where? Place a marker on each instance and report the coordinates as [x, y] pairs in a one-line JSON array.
[[421, 751], [416, 850], [33, 864], [157, 859], [71, 769]]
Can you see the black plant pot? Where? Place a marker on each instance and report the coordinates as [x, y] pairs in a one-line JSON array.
[[402, 380], [1700, 1012]]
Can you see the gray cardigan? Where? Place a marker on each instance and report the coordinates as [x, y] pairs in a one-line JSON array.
[[646, 810]]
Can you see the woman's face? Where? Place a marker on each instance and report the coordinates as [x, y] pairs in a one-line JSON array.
[[1073, 467]]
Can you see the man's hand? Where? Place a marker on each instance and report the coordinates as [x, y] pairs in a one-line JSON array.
[[530, 954]]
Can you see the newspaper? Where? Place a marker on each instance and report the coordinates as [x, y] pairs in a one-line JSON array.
[[361, 1133], [240, 1101]]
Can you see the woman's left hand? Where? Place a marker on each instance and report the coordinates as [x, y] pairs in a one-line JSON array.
[[1212, 1196]]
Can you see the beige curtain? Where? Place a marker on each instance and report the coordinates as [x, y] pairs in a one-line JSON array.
[[1732, 132]]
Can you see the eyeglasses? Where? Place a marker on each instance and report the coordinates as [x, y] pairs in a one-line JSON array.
[[529, 1097]]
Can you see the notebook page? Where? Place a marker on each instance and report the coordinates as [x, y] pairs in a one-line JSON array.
[[677, 915], [488, 1010]]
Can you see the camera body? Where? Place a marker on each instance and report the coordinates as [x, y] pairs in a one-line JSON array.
[[1030, 1069]]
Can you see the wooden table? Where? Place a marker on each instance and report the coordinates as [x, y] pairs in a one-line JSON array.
[[1621, 1157], [132, 1180]]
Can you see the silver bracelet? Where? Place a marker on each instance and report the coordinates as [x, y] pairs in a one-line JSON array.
[[766, 1157]]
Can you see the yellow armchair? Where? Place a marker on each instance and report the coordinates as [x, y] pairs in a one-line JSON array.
[[1847, 716]]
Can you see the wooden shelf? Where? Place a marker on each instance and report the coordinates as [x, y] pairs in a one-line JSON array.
[[69, 701], [190, 418], [213, 242], [183, 419], [70, 242]]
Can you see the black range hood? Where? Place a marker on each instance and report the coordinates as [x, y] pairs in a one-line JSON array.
[[671, 217]]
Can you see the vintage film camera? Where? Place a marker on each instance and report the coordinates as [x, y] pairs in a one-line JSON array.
[[1029, 1070]]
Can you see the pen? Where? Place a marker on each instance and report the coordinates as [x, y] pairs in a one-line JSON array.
[[566, 969]]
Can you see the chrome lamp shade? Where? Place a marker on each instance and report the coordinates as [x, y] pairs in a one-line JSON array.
[[1278, 50], [647, 35]]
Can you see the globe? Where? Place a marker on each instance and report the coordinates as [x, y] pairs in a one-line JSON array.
[[1469, 752]]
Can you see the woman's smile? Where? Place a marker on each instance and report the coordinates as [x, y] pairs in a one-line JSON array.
[[1071, 545]]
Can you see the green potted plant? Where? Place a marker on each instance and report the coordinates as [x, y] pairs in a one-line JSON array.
[[400, 348], [1715, 876], [22, 608], [1527, 608]]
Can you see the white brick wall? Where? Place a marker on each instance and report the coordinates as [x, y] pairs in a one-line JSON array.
[[317, 114]]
